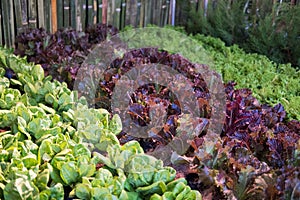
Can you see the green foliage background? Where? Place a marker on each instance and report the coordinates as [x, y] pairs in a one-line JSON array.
[[259, 26]]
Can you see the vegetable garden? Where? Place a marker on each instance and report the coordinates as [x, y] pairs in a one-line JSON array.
[[55, 146]]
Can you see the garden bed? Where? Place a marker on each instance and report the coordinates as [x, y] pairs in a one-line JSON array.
[[50, 150]]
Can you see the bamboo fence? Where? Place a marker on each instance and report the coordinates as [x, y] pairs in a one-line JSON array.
[[16, 15]]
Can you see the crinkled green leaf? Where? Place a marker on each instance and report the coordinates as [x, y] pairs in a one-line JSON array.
[[15, 82], [99, 158], [115, 124], [69, 172], [37, 72], [51, 99], [23, 112], [22, 125], [166, 174], [81, 150], [7, 118], [102, 193], [30, 160], [158, 187], [184, 193], [43, 179], [45, 153], [47, 109], [83, 191], [171, 185], [55, 192], [21, 189], [103, 178], [179, 187]]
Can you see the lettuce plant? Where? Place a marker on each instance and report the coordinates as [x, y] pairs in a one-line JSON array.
[[52, 146]]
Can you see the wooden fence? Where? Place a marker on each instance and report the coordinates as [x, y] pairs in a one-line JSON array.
[[16, 15]]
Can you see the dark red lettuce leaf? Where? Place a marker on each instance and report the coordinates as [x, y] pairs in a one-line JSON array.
[[62, 53]]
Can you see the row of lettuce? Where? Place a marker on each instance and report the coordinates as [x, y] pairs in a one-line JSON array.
[[62, 53], [270, 83], [52, 146]]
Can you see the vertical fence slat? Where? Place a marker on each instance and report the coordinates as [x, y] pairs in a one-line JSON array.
[[32, 14], [172, 12], [148, 12], [131, 12], [138, 13], [66, 10], [12, 22], [24, 12], [60, 14], [123, 13], [47, 15], [90, 10], [99, 11], [83, 18], [200, 7], [142, 13], [8, 22], [18, 15], [78, 16], [41, 13], [1, 37], [156, 12], [54, 15], [117, 14], [73, 10], [95, 9], [110, 11], [165, 11], [104, 11]]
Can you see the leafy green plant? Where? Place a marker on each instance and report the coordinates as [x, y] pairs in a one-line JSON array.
[[147, 176], [222, 19], [270, 83], [52, 146], [257, 26]]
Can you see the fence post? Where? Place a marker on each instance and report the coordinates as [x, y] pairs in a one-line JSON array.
[[54, 15], [1, 38], [142, 11], [172, 12], [12, 23], [95, 9], [66, 11], [104, 11], [156, 12], [90, 12], [110, 11], [123, 14], [165, 11], [117, 14], [131, 12], [48, 15], [73, 11], [99, 10], [8, 22], [148, 8], [83, 12], [32, 14], [41, 13], [19, 17]]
